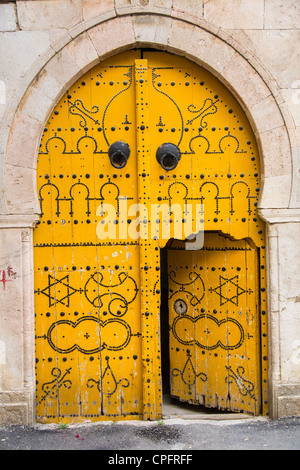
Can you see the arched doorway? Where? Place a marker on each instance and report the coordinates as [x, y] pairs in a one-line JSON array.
[[127, 157]]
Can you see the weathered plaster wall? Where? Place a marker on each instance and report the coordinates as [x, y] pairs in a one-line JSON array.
[[252, 46]]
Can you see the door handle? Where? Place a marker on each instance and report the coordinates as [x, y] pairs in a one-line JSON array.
[[168, 156], [118, 154]]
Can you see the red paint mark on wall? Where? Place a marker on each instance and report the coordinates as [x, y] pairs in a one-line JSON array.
[[7, 275]]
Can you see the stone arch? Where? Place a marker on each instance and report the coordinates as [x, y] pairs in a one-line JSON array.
[[197, 42]]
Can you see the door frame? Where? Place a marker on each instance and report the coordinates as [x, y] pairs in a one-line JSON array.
[[33, 104]]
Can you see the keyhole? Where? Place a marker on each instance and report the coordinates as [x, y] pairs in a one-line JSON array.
[[180, 306]]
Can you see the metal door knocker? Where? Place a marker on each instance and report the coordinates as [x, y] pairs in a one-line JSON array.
[[118, 154], [168, 156]]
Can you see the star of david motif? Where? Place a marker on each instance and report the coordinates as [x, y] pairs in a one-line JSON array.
[[58, 290], [229, 290]]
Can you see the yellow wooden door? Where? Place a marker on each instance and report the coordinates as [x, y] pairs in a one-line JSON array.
[[129, 157], [213, 319]]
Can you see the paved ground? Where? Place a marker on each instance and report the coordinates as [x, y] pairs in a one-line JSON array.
[[173, 435]]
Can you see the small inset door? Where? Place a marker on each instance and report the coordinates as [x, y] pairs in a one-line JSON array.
[[214, 324]]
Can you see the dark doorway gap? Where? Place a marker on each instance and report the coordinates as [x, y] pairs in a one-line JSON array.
[[164, 322]]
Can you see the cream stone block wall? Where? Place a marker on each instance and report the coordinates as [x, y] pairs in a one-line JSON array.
[[233, 15], [8, 19], [16, 322], [281, 15], [38, 14], [253, 47]]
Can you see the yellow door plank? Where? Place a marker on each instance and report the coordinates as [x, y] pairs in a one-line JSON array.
[[88, 331]]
